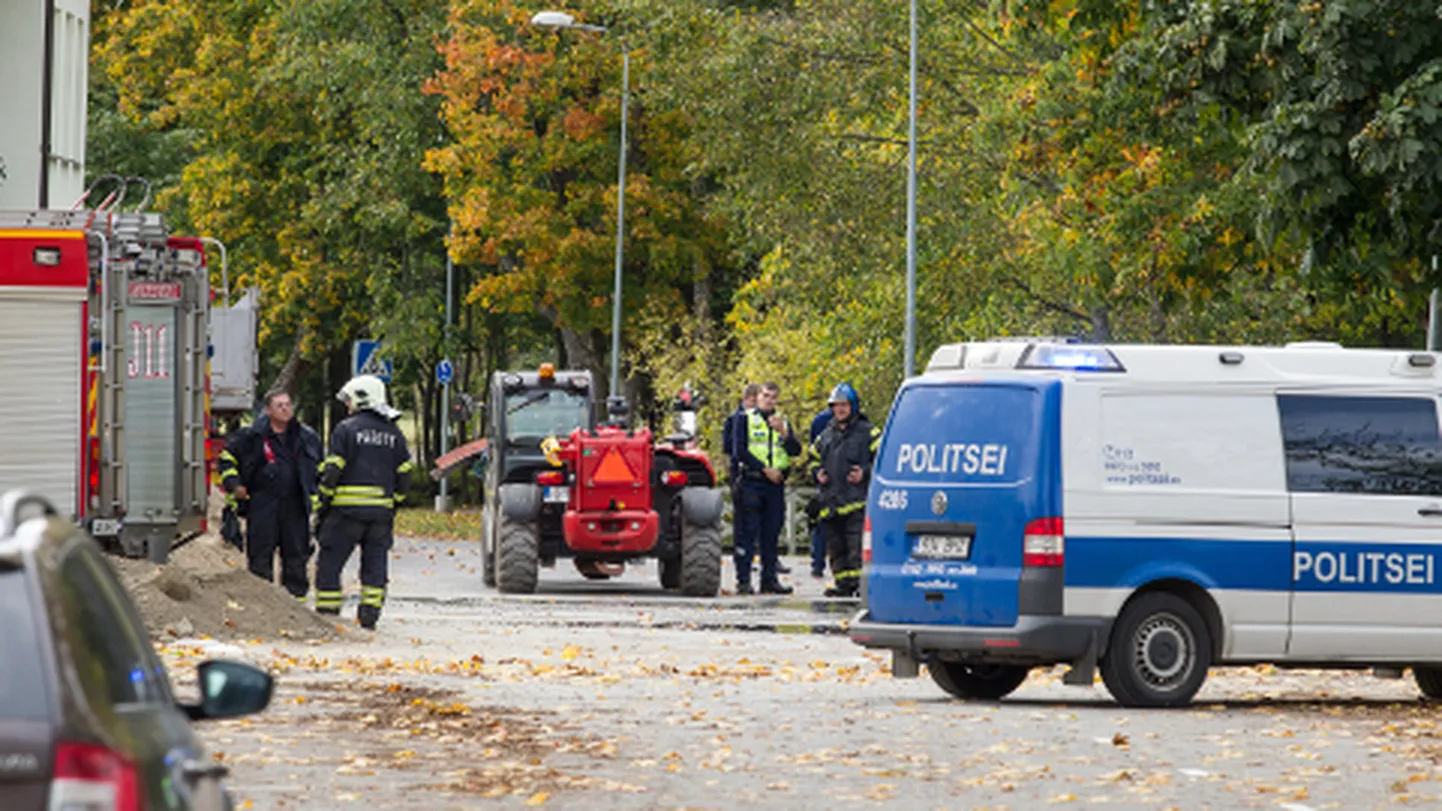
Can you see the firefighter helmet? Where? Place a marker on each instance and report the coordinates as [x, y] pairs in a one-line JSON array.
[[844, 393], [364, 392]]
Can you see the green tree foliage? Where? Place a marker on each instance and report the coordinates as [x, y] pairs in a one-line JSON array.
[[1341, 101]]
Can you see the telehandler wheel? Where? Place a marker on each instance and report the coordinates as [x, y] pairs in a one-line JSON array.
[[700, 559], [518, 556], [596, 570], [488, 551], [670, 571]]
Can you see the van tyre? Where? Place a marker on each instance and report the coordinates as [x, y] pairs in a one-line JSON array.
[[488, 552], [1429, 681], [1159, 653], [518, 556], [700, 559], [980, 682]]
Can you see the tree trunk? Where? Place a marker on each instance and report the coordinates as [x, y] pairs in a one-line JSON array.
[[1101, 324], [295, 367], [581, 353]]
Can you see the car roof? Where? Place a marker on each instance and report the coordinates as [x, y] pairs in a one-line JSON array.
[[1304, 363]]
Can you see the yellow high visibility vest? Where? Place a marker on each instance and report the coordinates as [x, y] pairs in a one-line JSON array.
[[764, 443]]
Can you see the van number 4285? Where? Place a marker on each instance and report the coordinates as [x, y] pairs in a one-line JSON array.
[[892, 500]]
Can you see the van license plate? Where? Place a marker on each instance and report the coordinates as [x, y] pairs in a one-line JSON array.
[[942, 546], [557, 495]]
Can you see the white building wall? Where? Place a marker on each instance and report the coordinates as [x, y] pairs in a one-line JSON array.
[[22, 54]]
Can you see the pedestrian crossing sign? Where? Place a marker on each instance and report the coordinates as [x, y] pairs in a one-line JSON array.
[[367, 358]]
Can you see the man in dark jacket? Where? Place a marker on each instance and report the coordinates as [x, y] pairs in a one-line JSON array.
[[363, 479], [842, 469], [818, 536], [269, 470]]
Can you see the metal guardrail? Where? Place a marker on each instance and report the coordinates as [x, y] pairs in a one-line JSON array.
[[795, 534]]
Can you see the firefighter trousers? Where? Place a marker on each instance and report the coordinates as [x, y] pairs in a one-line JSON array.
[[843, 542], [279, 523], [340, 533]]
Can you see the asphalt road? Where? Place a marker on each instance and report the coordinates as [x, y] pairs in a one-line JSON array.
[[617, 695]]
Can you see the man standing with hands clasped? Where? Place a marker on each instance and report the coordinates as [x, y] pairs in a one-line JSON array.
[[764, 450]]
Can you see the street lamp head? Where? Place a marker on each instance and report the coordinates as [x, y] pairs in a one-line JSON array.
[[560, 19], [556, 19]]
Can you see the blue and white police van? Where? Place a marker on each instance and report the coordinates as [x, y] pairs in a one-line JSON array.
[[1151, 511]]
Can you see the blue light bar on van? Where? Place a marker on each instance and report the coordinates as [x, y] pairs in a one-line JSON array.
[[1071, 357]]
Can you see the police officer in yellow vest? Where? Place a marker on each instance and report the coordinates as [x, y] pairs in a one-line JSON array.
[[764, 451]]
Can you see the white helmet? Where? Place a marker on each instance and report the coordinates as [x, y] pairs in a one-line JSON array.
[[364, 392]]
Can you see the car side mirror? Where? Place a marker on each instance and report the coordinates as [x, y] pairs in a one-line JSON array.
[[229, 689]]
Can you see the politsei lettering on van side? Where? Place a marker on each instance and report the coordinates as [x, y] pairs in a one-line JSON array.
[[1396, 568], [953, 457]]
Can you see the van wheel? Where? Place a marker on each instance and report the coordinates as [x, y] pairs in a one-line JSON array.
[[985, 682], [1159, 653], [1429, 681]]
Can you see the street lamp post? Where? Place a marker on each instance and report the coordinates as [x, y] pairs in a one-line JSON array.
[[560, 19], [910, 362]]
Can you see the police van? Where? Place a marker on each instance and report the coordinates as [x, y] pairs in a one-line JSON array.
[[1151, 511]]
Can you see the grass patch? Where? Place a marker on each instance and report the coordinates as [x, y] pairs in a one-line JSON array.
[[425, 522]]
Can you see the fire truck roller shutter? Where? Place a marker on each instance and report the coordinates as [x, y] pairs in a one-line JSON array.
[[40, 397]]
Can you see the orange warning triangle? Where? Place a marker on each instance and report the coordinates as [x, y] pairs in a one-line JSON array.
[[613, 469]]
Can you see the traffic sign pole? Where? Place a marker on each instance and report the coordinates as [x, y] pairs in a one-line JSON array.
[[444, 373]]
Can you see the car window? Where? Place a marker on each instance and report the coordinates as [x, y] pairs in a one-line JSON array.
[[545, 412], [1370, 445], [111, 650], [24, 691]]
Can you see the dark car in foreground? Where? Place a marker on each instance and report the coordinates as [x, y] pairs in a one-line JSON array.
[[88, 721]]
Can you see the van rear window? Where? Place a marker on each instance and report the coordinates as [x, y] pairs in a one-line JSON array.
[[23, 694], [982, 434]]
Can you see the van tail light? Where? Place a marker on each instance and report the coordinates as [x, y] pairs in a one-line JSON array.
[[551, 478], [93, 778], [1043, 543], [866, 540]]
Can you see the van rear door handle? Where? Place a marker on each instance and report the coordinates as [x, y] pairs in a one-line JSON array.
[[1430, 512]]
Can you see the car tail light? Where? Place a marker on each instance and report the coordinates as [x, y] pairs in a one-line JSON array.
[[1043, 543], [674, 478], [551, 478], [866, 540], [93, 778]]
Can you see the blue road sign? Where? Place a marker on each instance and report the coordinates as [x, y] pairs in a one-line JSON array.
[[444, 372], [366, 359]]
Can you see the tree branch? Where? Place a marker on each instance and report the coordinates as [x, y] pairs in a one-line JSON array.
[[1055, 306]]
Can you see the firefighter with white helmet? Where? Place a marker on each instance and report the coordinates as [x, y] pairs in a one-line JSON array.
[[362, 480]]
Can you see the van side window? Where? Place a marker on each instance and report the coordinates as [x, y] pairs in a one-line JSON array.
[[1370, 445]]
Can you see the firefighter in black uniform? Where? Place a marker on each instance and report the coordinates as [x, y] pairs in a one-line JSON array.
[[841, 465], [365, 476], [268, 471]]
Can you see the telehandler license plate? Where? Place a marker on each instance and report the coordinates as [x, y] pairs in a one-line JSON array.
[[557, 495]]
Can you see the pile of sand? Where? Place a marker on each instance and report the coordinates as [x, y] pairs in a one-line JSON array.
[[206, 590]]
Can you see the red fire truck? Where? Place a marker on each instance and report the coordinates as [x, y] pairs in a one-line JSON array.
[[104, 319]]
